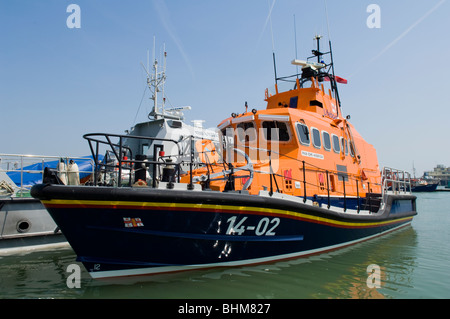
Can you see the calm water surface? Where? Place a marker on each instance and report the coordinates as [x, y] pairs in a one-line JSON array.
[[414, 263]]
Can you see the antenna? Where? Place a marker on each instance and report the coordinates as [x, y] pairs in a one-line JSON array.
[[328, 23], [154, 45], [163, 78], [273, 45], [148, 58], [295, 40], [270, 20]]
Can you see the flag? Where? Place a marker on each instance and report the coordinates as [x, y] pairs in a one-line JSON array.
[[340, 80], [337, 78], [132, 222]]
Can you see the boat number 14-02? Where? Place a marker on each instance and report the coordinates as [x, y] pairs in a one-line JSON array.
[[265, 227]]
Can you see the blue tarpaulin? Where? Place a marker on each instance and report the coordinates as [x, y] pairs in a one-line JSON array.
[[32, 174]]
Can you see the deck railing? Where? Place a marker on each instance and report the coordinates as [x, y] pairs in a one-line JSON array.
[[26, 164], [393, 181], [352, 187], [350, 190], [396, 181], [119, 158]]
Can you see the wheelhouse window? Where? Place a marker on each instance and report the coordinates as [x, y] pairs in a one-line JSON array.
[[326, 141], [281, 129], [246, 132], [336, 145], [316, 137], [303, 134]]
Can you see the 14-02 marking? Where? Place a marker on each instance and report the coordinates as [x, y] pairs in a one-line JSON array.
[[265, 227]]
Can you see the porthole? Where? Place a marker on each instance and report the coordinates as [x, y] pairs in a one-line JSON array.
[[23, 225]]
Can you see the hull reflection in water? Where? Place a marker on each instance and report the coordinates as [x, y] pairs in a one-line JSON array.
[[338, 274]]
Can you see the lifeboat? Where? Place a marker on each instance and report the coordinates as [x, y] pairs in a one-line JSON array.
[[289, 181]]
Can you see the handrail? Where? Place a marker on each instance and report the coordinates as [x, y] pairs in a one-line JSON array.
[[18, 162], [396, 181], [306, 166], [301, 161], [117, 148]]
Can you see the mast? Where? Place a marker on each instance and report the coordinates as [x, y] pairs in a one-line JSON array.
[[163, 105], [156, 83], [332, 78], [155, 86]]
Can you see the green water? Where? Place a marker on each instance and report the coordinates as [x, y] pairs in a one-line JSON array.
[[413, 264]]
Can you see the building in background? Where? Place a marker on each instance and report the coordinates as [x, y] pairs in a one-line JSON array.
[[440, 172]]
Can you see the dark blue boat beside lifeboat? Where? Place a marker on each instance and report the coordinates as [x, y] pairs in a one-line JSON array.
[[423, 185], [292, 180]]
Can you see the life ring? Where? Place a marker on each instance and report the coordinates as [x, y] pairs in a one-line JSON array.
[[207, 151]]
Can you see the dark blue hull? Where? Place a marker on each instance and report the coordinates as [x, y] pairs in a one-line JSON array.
[[118, 232]]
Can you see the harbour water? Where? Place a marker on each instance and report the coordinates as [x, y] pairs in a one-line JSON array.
[[413, 263]]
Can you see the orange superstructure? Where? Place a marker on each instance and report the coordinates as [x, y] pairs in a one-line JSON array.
[[300, 145]]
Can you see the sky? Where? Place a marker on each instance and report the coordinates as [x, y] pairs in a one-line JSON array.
[[58, 83]]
